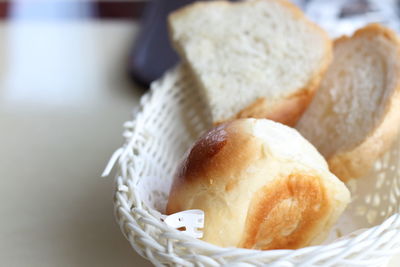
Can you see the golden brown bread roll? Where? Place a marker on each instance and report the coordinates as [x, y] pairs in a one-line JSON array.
[[261, 186]]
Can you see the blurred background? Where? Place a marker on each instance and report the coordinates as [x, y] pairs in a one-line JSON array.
[[71, 72]]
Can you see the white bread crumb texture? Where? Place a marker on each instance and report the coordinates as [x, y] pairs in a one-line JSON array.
[[245, 50]]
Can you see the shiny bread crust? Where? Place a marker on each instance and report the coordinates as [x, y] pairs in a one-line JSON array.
[[252, 196]]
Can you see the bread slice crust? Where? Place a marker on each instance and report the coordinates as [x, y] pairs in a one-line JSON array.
[[287, 108], [356, 160]]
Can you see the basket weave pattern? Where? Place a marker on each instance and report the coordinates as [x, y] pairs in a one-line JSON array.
[[171, 116]]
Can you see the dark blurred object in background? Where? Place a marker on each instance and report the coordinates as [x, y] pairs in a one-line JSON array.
[[152, 54]]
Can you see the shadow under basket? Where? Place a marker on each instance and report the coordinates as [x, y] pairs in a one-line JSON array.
[[171, 116]]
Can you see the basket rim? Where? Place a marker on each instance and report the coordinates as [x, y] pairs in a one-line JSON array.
[[139, 213]]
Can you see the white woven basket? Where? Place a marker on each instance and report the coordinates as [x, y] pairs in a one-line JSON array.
[[171, 116]]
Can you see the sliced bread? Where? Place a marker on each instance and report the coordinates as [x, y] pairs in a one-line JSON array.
[[255, 58], [355, 114]]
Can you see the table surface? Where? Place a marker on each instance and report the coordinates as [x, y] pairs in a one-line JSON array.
[[63, 99]]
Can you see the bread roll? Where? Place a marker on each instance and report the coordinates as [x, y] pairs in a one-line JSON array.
[[257, 58], [261, 186], [355, 115]]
